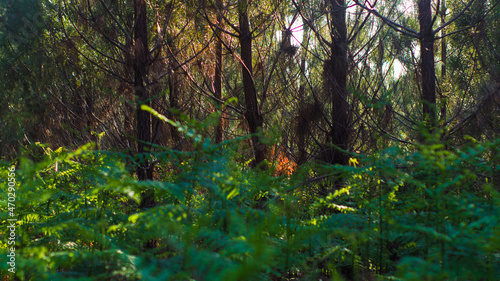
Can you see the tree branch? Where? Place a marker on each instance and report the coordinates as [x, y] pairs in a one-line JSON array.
[[454, 18], [394, 25]]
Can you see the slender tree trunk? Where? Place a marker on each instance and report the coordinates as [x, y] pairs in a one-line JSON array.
[[173, 95], [218, 72], [335, 79], [302, 129], [252, 113], [302, 126], [427, 66], [380, 62], [442, 97], [173, 81], [140, 66]]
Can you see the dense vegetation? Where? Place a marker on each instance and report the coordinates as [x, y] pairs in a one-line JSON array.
[[250, 140]]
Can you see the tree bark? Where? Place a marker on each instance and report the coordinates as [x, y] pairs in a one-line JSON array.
[[174, 94], [443, 61], [335, 81], [302, 128], [218, 72], [252, 113], [140, 67], [427, 67]]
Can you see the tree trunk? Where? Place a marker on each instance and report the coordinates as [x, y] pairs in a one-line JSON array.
[[173, 96], [252, 113], [140, 66], [335, 79], [443, 61], [218, 72], [427, 66], [302, 128]]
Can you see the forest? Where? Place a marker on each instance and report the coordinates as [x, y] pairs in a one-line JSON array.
[[250, 140]]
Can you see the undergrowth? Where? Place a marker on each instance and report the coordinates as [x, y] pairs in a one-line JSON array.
[[428, 214]]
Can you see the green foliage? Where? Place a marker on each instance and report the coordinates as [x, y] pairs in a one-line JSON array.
[[401, 212], [21, 55], [431, 214]]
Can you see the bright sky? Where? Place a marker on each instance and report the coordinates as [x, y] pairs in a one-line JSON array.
[[297, 32]]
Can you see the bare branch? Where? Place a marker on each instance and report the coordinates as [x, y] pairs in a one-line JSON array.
[[438, 11], [454, 18], [394, 25], [205, 93], [472, 25], [92, 61], [114, 19], [267, 79], [311, 26]]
